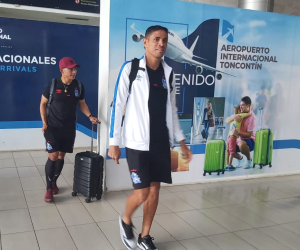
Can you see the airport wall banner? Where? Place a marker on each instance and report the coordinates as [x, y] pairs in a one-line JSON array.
[[219, 55], [29, 55], [90, 6]]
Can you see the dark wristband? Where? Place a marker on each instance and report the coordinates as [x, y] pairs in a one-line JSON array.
[[90, 116]]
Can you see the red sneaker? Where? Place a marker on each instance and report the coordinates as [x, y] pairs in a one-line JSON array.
[[49, 195], [55, 188]]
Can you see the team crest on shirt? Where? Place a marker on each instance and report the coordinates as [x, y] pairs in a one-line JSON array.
[[164, 82], [135, 178], [49, 147], [138, 77], [76, 93]]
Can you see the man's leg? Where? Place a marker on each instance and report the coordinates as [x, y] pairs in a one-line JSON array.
[[59, 164], [138, 164], [238, 157], [245, 150], [49, 171], [150, 207], [138, 197], [133, 202]]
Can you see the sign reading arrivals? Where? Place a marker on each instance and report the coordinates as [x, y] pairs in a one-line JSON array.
[[91, 6]]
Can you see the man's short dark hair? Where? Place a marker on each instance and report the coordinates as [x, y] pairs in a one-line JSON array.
[[152, 29], [246, 100]]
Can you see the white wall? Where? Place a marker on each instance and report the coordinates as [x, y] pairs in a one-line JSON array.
[[33, 139], [289, 7], [48, 15]]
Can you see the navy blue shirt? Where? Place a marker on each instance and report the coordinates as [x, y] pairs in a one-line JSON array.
[[157, 104]]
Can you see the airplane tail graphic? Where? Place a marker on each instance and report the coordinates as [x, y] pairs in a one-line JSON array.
[[194, 45], [132, 26]]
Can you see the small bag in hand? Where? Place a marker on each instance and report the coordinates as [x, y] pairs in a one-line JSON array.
[[211, 122]]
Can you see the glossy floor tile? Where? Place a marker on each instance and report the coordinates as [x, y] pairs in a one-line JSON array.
[[57, 238], [199, 243], [24, 241], [89, 237], [260, 240], [225, 219], [230, 241]]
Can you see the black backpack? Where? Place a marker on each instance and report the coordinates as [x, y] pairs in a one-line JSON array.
[[135, 67]]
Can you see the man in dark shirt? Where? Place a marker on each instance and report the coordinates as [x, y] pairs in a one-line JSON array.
[[59, 120]]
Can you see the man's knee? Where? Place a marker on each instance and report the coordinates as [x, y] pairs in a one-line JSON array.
[[243, 147], [154, 188], [141, 195], [61, 155], [53, 156]]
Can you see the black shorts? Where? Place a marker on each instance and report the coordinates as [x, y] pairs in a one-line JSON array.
[[146, 167], [60, 139]]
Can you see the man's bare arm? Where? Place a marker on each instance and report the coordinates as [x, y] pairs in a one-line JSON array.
[[43, 111]]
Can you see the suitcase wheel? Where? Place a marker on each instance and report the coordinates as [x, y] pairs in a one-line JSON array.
[[218, 172], [209, 173], [88, 200], [253, 165], [74, 194], [270, 165], [261, 166], [204, 173], [223, 172], [98, 197]]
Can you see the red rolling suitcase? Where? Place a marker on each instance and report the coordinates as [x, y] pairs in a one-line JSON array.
[[88, 172]]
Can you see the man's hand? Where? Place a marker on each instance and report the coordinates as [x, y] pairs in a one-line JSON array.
[[114, 152], [94, 120], [238, 118], [45, 126], [186, 153]]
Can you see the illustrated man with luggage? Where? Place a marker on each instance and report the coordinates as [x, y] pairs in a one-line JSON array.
[[146, 87], [207, 116], [58, 112], [246, 140]]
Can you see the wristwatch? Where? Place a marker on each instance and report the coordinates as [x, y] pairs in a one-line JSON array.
[[89, 116]]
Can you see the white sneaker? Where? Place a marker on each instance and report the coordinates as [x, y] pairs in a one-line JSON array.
[[127, 235], [239, 165], [249, 164]]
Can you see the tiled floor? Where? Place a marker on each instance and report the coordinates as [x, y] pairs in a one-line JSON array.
[[238, 215]]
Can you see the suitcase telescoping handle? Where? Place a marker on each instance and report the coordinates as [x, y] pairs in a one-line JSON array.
[[260, 124], [98, 137]]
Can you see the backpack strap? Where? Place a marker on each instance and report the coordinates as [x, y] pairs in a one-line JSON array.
[[52, 89], [135, 66], [171, 81]]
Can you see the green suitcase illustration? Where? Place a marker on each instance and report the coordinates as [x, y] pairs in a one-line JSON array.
[[263, 149], [215, 157]]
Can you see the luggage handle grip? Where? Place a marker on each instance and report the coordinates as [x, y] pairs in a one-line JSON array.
[[260, 126], [98, 137]]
